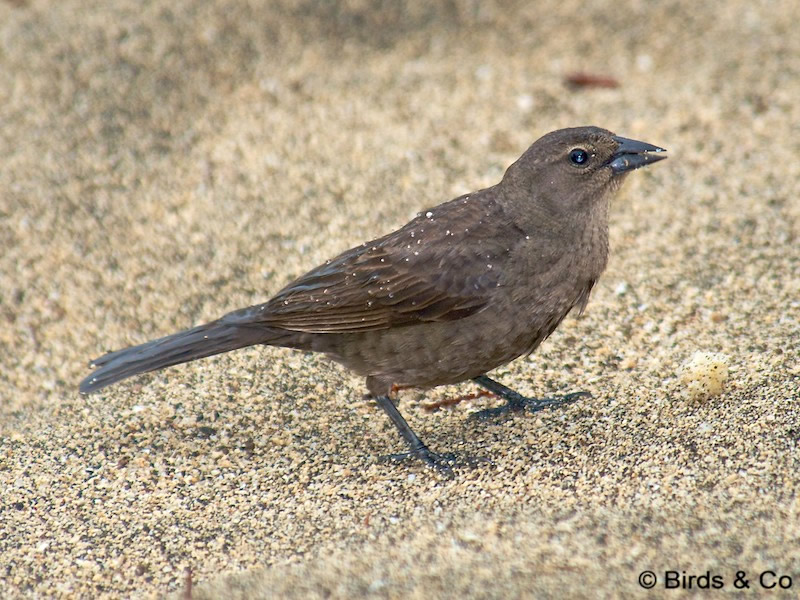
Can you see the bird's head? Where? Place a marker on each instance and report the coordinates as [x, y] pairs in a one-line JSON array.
[[573, 169]]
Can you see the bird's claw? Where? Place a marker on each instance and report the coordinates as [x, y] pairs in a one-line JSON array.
[[443, 463], [521, 403]]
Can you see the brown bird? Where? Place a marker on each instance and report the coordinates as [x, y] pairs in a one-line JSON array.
[[465, 287]]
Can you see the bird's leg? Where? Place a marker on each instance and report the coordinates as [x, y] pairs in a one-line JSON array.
[[516, 401], [417, 448]]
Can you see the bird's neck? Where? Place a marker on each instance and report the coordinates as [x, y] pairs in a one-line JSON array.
[[591, 231]]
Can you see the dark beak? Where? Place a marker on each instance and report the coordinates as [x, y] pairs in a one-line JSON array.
[[632, 154]]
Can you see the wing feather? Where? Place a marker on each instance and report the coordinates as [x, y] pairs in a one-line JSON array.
[[397, 280]]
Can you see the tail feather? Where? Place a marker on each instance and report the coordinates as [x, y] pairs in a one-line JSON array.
[[202, 341]]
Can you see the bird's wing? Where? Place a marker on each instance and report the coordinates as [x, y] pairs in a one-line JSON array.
[[433, 269]]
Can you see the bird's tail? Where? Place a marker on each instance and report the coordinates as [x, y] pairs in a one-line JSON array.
[[202, 341]]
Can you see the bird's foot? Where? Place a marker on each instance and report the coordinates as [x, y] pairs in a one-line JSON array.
[[517, 402], [443, 463]]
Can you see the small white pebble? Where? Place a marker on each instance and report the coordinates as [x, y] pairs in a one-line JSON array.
[[644, 62], [483, 72], [525, 102], [704, 375]]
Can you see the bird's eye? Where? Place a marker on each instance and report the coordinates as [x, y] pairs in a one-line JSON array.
[[579, 157]]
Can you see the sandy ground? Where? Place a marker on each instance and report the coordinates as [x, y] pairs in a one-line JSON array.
[[164, 162]]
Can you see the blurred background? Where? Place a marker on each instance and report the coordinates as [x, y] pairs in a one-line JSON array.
[[163, 162]]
